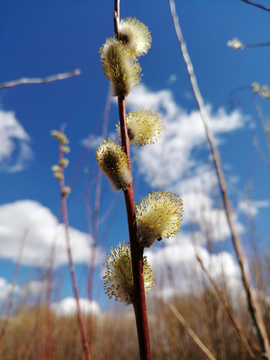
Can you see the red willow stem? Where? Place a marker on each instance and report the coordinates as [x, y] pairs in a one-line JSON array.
[[71, 264], [139, 303], [136, 252]]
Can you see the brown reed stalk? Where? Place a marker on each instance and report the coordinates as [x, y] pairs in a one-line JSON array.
[[244, 337], [44, 80], [71, 264], [136, 252], [11, 296], [253, 305]]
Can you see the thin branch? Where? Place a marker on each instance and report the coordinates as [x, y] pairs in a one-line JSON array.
[[44, 80], [240, 331], [71, 264], [256, 5], [256, 45], [252, 301], [185, 325]]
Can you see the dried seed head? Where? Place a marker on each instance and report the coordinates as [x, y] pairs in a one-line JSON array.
[[135, 35], [158, 216], [118, 279], [120, 66], [113, 162], [144, 127]]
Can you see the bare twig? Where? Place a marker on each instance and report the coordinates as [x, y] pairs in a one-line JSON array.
[[252, 301], [256, 45], [71, 264], [185, 325], [45, 80], [256, 5], [240, 331], [136, 252]]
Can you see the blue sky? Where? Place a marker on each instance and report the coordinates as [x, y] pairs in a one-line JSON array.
[[42, 38]]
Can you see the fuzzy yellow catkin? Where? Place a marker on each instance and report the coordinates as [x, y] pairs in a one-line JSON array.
[[65, 149], [135, 35], [64, 162], [58, 175], [66, 191], [158, 216], [121, 67], [113, 162], [118, 278], [62, 139], [144, 127]]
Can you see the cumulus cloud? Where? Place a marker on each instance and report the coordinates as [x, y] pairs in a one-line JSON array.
[[251, 208], [177, 270], [6, 289], [45, 242], [172, 156], [92, 141], [15, 151], [68, 307], [179, 161]]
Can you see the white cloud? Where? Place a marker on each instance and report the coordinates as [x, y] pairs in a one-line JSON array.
[[45, 238], [15, 152], [179, 161], [172, 156], [68, 306], [6, 289], [93, 142], [178, 255], [172, 79], [251, 208]]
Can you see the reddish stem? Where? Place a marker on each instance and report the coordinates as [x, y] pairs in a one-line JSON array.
[[71, 265], [136, 252]]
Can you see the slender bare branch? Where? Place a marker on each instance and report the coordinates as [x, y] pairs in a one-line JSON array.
[[71, 264], [44, 80], [256, 5], [185, 325], [252, 301]]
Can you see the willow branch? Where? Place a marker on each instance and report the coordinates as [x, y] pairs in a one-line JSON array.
[[252, 301], [139, 303], [71, 264], [44, 80]]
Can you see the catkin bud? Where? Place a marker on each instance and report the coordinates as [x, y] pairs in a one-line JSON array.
[[120, 66], [158, 216], [66, 191], [134, 35], [60, 137], [56, 168], [65, 149], [144, 127], [58, 175], [113, 162], [64, 162]]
